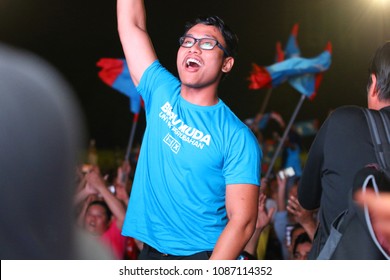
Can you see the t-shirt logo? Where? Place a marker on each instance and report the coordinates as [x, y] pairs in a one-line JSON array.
[[187, 133], [172, 143]]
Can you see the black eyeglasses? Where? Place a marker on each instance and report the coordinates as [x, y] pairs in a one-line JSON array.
[[204, 43]]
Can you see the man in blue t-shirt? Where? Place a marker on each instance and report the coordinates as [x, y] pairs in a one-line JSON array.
[[195, 190]]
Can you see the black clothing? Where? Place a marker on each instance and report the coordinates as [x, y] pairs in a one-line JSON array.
[[341, 148], [150, 253]]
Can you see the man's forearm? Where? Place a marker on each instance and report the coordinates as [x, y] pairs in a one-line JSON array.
[[136, 44], [251, 245], [233, 240]]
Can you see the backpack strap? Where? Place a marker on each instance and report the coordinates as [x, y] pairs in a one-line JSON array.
[[379, 126]]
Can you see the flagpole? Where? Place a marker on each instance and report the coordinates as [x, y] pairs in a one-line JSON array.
[[265, 101], [259, 115], [131, 139], [281, 141]]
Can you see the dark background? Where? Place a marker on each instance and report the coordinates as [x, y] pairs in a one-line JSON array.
[[74, 34]]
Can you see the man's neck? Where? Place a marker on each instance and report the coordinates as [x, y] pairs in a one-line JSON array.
[[378, 104], [201, 97]]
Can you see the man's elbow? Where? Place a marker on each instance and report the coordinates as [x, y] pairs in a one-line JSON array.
[[248, 227]]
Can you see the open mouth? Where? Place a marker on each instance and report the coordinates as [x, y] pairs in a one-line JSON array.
[[193, 63]]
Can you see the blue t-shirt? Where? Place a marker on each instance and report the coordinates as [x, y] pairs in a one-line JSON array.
[[189, 154]]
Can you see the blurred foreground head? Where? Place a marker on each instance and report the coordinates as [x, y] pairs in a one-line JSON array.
[[40, 139]]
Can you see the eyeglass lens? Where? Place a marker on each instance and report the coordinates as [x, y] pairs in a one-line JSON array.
[[204, 43]]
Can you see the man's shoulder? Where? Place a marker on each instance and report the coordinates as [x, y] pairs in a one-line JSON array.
[[157, 69], [346, 121], [346, 110], [346, 114]]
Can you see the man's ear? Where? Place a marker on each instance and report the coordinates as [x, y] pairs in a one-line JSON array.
[[228, 64], [372, 90]]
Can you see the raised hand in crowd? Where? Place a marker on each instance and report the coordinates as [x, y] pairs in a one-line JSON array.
[[302, 216], [264, 218], [102, 213], [122, 183]]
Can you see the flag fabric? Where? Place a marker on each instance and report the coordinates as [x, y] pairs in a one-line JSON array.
[[309, 83], [258, 78], [279, 52], [115, 73], [306, 84], [292, 48], [304, 75], [276, 74]]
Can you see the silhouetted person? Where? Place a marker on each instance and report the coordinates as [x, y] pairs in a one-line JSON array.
[[40, 137]]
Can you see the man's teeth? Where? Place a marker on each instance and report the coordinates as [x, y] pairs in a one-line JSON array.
[[193, 60]]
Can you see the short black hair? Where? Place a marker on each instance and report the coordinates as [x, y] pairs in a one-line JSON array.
[[229, 36], [302, 238], [380, 67]]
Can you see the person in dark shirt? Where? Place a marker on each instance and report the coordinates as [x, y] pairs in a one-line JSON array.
[[341, 148]]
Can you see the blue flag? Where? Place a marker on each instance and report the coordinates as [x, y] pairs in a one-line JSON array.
[[303, 74], [305, 71], [292, 48]]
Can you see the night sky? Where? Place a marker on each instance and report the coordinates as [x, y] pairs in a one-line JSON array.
[[74, 34]]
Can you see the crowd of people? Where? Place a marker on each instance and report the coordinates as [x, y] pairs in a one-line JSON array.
[[198, 191], [100, 204]]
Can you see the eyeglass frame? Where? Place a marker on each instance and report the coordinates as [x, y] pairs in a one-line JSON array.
[[197, 40]]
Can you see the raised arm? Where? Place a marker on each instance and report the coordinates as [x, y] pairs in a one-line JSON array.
[[305, 217], [136, 44]]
